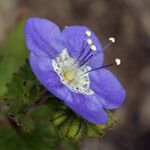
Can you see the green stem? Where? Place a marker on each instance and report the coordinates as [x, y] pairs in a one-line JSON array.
[[58, 141], [38, 103], [13, 124]]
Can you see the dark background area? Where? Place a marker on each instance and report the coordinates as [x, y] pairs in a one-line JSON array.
[[129, 22]]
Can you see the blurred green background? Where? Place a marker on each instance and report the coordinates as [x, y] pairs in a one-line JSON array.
[[128, 21]]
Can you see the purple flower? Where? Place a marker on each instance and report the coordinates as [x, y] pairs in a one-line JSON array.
[[69, 65]]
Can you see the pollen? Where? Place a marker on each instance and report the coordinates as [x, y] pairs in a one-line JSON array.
[[112, 39], [88, 33], [89, 41], [117, 61], [69, 75], [93, 47]]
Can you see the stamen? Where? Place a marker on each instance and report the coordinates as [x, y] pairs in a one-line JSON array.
[[83, 47], [88, 33], [89, 41], [93, 47], [118, 61], [112, 39], [85, 61]]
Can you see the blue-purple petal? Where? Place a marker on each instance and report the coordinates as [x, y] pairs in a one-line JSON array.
[[44, 72], [89, 107], [74, 37], [107, 86], [43, 37], [42, 68]]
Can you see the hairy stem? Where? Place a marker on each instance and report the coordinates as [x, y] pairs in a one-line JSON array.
[[38, 103], [13, 123]]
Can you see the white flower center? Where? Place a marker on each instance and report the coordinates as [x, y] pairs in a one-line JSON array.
[[71, 75]]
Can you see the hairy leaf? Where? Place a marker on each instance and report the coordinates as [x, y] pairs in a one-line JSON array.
[[22, 91]]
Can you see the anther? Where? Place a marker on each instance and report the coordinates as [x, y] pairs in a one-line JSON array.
[[89, 41], [93, 47], [112, 39], [117, 61], [88, 33]]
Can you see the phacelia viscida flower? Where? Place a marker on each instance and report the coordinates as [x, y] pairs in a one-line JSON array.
[[69, 65]]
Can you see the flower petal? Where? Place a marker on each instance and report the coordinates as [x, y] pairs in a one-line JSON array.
[[88, 106], [42, 68], [106, 85], [74, 37], [43, 37]]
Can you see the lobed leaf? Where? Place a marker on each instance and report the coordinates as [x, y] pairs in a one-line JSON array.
[[23, 90]]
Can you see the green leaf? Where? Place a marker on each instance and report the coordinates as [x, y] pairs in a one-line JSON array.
[[22, 91], [12, 55], [25, 122]]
